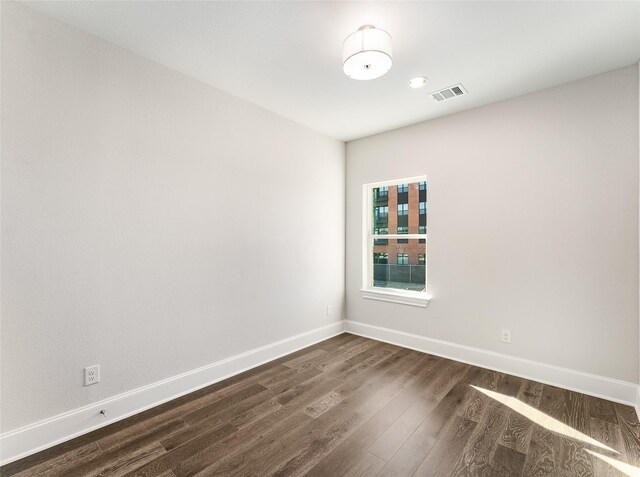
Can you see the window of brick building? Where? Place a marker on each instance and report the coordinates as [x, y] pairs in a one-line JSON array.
[[380, 258], [403, 231], [403, 259], [381, 213]]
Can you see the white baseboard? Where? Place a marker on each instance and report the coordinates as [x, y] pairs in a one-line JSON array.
[[591, 384], [33, 438]]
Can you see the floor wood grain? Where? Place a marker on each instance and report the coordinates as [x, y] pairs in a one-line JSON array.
[[351, 406]]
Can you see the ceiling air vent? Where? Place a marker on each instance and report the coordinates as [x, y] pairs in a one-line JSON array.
[[448, 93]]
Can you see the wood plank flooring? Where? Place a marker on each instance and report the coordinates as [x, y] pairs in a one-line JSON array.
[[351, 406]]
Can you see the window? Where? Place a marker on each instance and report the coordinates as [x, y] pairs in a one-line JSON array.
[[422, 192], [380, 231], [403, 231], [380, 258], [381, 213], [381, 192], [394, 267]]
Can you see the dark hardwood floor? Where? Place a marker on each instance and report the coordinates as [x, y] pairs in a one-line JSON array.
[[351, 406]]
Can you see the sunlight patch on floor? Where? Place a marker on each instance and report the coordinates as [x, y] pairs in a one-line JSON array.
[[626, 469], [542, 419]]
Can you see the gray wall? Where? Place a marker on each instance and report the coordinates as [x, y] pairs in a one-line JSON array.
[[150, 223], [533, 225]]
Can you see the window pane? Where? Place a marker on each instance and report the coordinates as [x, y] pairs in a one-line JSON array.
[[408, 204], [404, 268]]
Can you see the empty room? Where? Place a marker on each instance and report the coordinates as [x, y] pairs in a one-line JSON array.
[[319, 238]]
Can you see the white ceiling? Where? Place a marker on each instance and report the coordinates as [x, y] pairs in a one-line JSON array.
[[286, 56]]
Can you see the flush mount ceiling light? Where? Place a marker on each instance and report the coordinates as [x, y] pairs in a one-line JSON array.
[[418, 82], [366, 53]]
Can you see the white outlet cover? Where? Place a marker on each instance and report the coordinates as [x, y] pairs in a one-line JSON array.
[[92, 375], [506, 336]]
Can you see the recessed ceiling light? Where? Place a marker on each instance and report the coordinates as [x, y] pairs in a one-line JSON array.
[[418, 82], [366, 53]]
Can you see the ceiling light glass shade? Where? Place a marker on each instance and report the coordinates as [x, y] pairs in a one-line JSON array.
[[366, 53]]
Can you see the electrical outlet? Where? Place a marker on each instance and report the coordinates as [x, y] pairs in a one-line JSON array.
[[506, 336], [329, 310], [92, 375]]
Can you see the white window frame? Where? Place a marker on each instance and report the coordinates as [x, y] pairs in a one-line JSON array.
[[405, 297]]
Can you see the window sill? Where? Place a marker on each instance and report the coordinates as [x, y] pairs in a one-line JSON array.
[[396, 296]]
